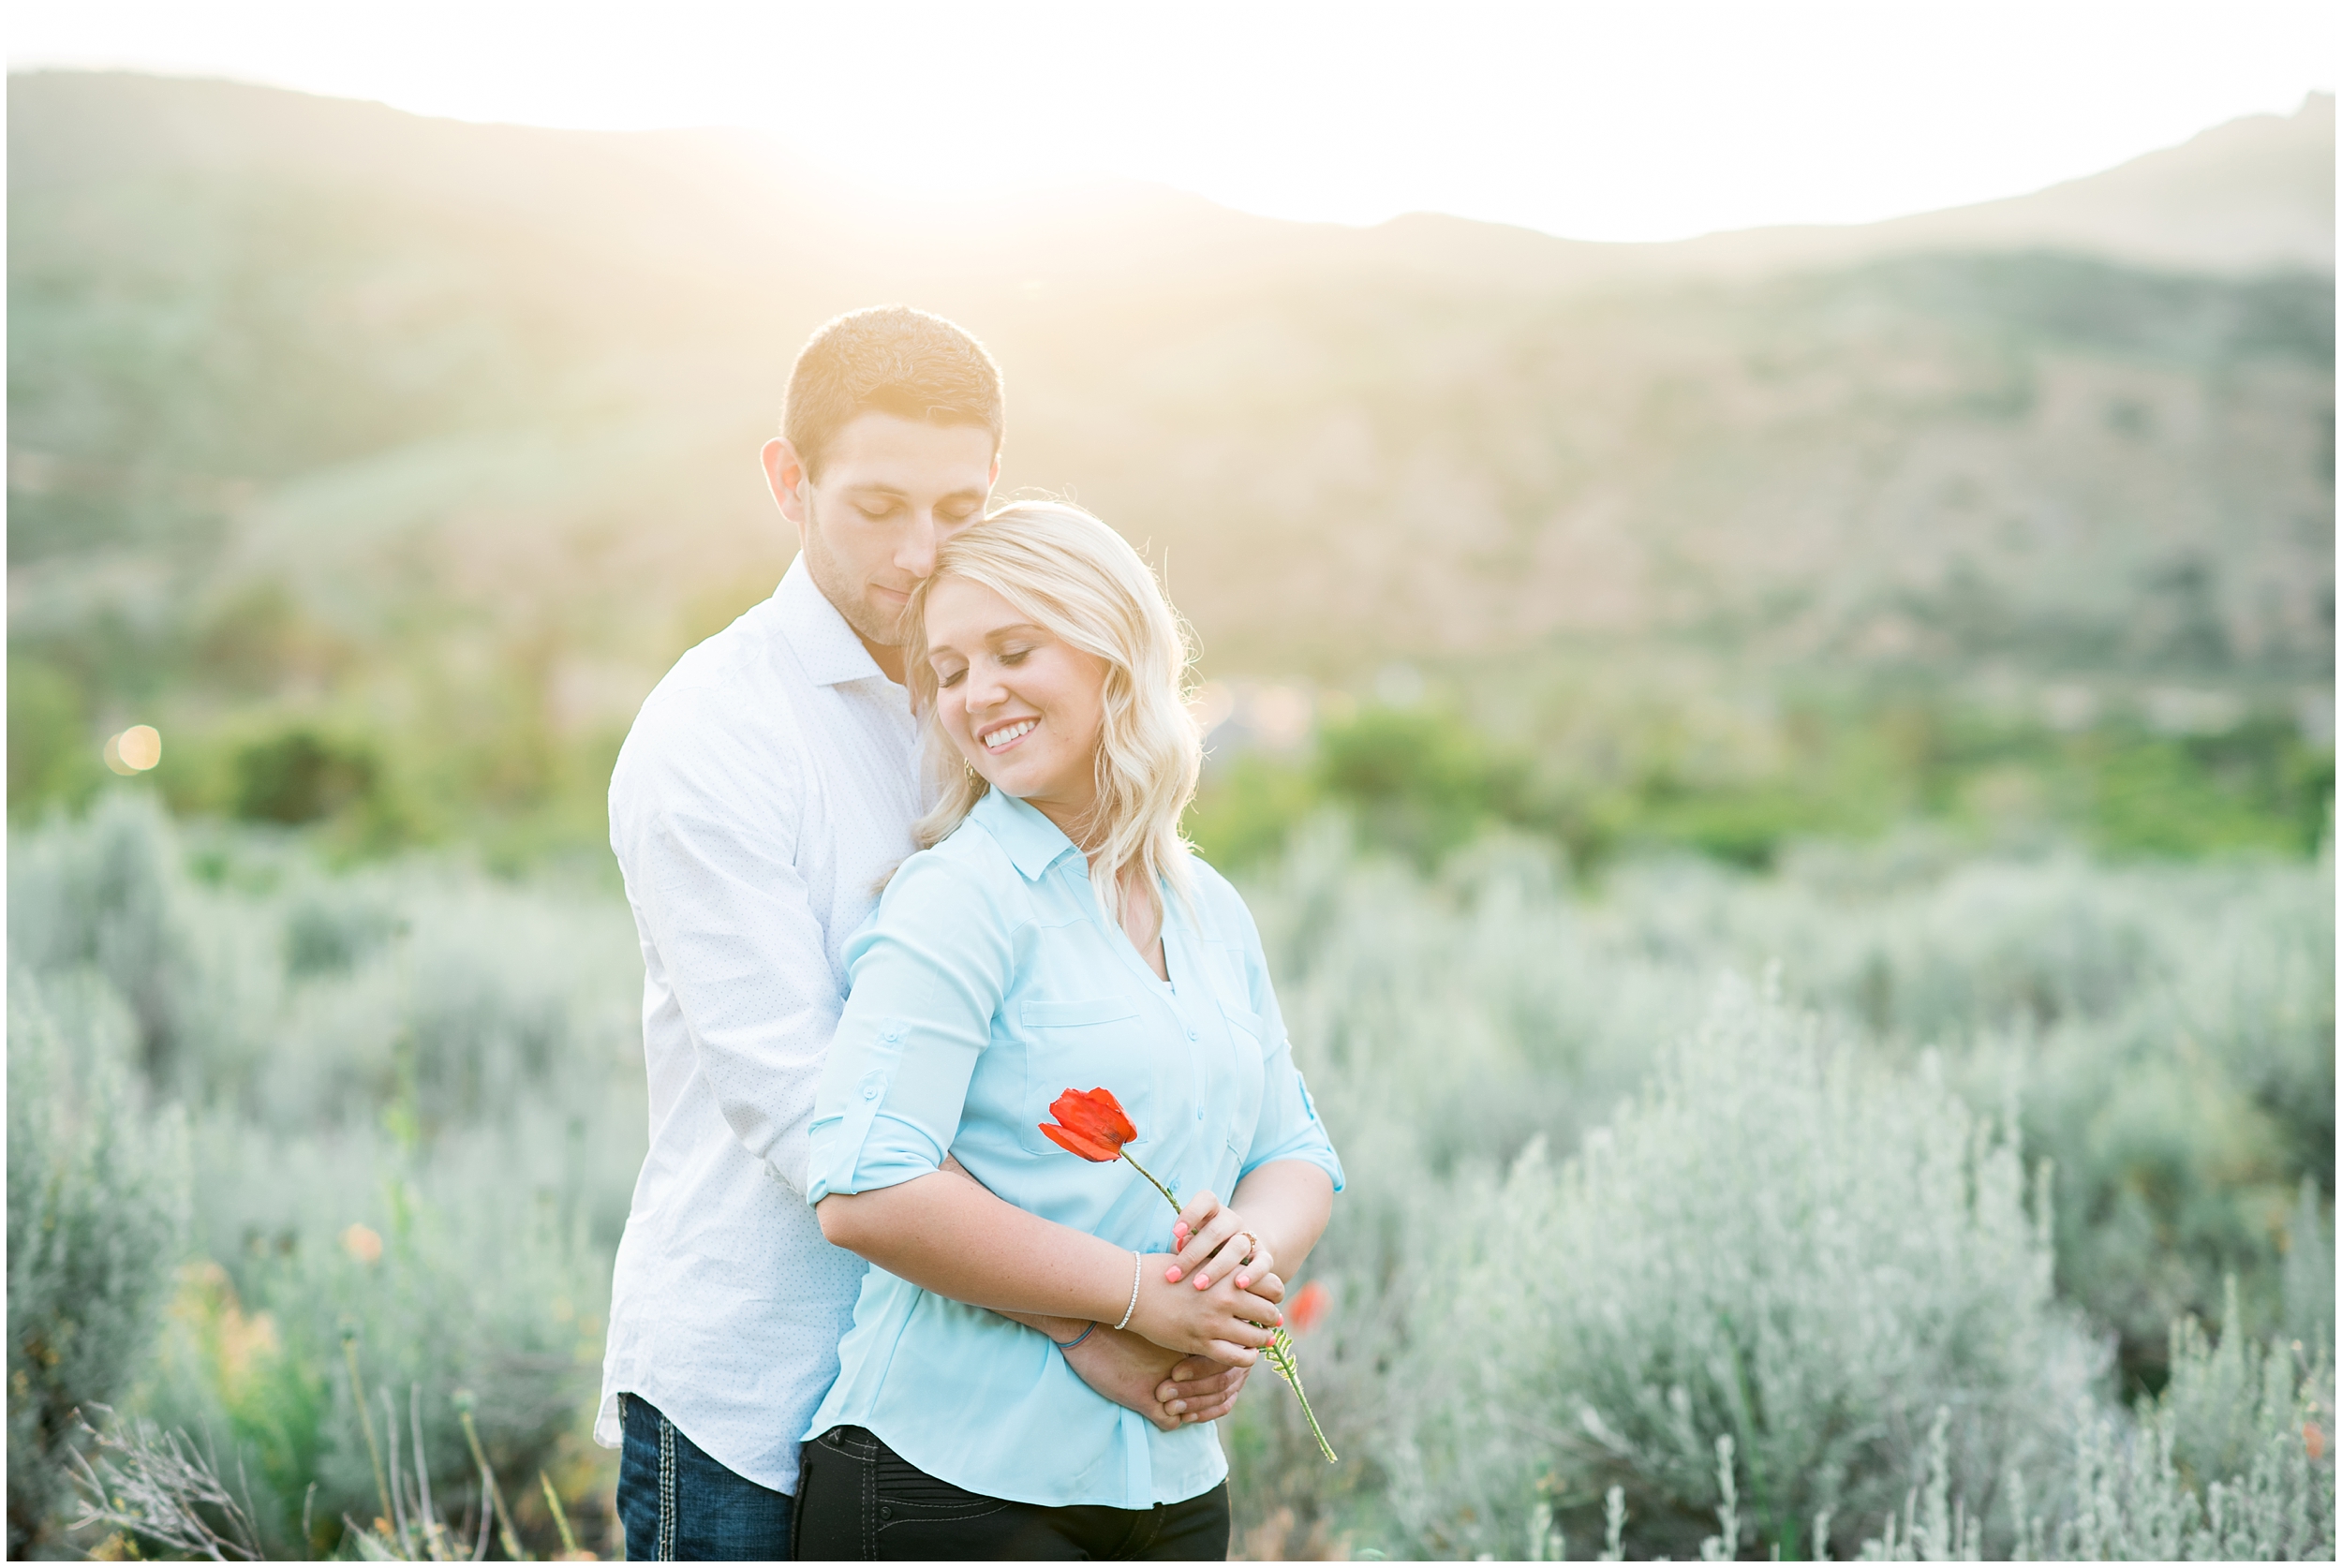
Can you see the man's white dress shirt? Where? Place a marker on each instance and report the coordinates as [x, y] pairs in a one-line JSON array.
[[767, 786]]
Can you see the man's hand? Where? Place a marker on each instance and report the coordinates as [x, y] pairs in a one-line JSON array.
[[1199, 1389], [1168, 1389]]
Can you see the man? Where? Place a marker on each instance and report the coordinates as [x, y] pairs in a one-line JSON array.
[[765, 791]]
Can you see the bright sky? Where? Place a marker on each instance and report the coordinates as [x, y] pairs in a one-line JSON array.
[[1616, 120]]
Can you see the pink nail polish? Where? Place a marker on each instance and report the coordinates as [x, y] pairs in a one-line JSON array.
[[1172, 1274], [1202, 1281]]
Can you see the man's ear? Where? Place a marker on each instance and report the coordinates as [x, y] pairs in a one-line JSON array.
[[784, 473]]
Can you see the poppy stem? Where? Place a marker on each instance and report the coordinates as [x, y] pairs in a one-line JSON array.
[[1279, 1355], [1151, 1181]]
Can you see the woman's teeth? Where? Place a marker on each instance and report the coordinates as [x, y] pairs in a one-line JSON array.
[[1001, 737]]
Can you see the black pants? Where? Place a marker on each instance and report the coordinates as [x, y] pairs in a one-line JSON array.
[[858, 1499]]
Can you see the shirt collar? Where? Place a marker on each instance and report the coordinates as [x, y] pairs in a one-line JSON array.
[[1033, 842], [826, 647]]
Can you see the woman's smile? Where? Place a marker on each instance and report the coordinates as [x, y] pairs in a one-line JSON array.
[[1001, 737]]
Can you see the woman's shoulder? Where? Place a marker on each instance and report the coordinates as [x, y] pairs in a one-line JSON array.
[[1220, 909], [968, 869], [1208, 882], [950, 899]]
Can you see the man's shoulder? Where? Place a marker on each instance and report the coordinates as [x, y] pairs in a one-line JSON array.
[[747, 652], [726, 704]]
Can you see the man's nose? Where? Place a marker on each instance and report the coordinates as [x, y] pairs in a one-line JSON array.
[[914, 553]]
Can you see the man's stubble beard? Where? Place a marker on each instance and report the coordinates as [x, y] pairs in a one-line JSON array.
[[845, 596]]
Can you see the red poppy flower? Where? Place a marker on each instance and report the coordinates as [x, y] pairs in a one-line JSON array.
[[1308, 1306], [1093, 1126]]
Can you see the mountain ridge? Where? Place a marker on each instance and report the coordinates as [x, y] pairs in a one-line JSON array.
[[2249, 195]]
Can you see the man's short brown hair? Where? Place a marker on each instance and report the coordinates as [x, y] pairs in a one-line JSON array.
[[890, 360]]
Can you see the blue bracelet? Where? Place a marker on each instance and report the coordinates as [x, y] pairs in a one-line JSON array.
[[1076, 1339]]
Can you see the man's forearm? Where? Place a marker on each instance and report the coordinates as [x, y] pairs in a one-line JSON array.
[[1061, 1330]]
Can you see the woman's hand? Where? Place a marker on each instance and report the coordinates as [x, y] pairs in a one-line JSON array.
[[1227, 1322], [1215, 1243]]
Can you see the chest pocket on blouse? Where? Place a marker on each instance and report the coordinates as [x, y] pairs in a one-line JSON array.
[[1249, 1035], [1083, 1045]]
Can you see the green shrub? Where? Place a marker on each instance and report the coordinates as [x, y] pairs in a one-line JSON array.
[[2168, 1031], [52, 755], [97, 1196], [300, 776], [1420, 781], [2156, 798], [103, 893], [2307, 1288], [2230, 1464], [493, 1293], [1775, 1243], [1247, 808], [1446, 1022], [447, 1061]]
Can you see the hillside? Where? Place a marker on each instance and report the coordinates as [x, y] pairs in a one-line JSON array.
[[320, 407], [2253, 196]]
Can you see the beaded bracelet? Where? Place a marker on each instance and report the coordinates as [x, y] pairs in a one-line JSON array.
[[1138, 1265], [1068, 1344]]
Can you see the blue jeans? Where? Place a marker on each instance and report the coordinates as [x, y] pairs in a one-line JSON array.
[[678, 1505]]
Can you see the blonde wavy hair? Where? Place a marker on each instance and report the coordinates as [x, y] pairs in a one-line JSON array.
[[1072, 576]]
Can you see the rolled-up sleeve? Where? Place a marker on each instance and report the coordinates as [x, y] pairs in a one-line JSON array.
[[926, 980], [1288, 1127]]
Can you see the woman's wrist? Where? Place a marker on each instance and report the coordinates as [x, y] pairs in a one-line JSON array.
[[1139, 1270]]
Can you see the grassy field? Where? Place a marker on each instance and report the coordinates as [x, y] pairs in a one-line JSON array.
[[1892, 1166]]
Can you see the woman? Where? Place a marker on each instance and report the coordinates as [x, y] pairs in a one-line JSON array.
[[991, 980]]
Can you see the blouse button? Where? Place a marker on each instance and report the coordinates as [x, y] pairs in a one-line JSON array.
[[869, 1092], [1191, 1034]]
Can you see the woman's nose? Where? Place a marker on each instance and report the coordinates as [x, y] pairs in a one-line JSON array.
[[984, 690]]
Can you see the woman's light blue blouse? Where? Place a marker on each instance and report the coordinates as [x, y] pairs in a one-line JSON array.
[[987, 983]]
